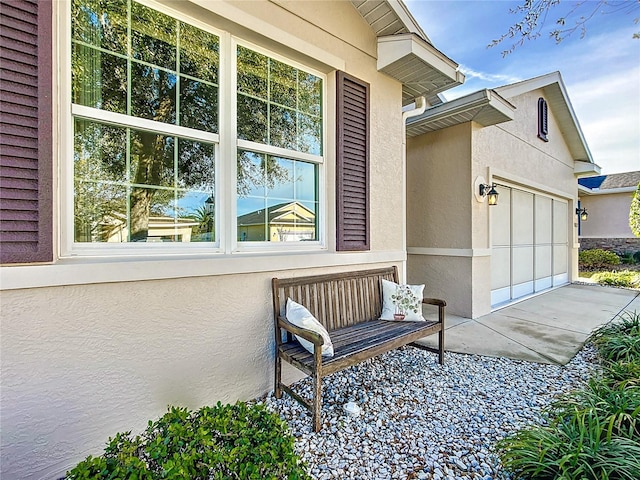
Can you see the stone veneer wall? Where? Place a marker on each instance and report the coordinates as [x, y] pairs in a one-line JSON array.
[[617, 245]]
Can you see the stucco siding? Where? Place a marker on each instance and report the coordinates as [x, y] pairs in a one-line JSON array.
[[608, 216], [439, 189], [444, 277], [514, 148], [80, 363], [104, 344]]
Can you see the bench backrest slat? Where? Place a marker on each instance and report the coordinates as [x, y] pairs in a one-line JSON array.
[[337, 300]]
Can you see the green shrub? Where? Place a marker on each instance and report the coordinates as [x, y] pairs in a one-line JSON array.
[[597, 259], [623, 372], [629, 258], [618, 279], [238, 441], [573, 448], [619, 341], [593, 432], [616, 406]]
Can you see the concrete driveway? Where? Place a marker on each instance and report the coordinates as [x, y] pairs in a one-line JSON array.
[[548, 328]]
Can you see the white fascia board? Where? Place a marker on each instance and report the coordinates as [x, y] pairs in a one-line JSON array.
[[392, 48], [403, 13], [583, 168], [524, 86], [608, 191]]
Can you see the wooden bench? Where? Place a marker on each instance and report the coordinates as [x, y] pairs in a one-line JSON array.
[[348, 305]]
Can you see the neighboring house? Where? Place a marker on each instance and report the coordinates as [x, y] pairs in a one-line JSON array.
[[607, 200], [284, 222], [123, 109], [524, 139]]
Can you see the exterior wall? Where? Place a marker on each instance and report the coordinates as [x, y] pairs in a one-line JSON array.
[[448, 231], [608, 216], [512, 153], [93, 346], [513, 150], [439, 215]]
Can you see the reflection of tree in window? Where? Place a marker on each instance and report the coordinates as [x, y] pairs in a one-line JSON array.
[[278, 104], [161, 171]]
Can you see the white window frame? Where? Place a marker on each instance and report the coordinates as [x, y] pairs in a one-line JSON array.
[[226, 148], [279, 152]]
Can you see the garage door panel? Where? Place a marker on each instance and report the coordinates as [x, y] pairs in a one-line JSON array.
[[543, 261], [529, 244], [560, 259], [522, 217], [501, 220], [500, 268], [522, 264], [543, 223], [560, 233]]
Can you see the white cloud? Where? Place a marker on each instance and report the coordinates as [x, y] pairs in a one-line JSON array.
[[496, 79]]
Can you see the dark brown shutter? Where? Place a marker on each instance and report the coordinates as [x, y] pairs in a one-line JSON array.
[[26, 131], [543, 119], [352, 163]]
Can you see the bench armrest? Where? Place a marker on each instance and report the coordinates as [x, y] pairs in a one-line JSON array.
[[434, 301], [309, 335]]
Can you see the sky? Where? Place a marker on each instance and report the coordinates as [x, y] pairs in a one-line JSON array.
[[601, 70]]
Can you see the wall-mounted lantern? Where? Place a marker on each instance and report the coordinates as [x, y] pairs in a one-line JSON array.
[[582, 213], [490, 192]]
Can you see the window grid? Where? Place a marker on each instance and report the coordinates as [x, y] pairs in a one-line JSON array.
[[138, 123]]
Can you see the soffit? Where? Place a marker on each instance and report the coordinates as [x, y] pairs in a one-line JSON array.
[[419, 66], [388, 17], [485, 107]]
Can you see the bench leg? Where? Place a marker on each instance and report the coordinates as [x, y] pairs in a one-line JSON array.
[[441, 335], [317, 401], [277, 391]]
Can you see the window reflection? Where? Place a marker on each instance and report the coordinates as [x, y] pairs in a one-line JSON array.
[[149, 82], [277, 199], [149, 188], [278, 104]]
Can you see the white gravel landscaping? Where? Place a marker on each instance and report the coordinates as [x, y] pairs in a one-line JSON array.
[[423, 420]]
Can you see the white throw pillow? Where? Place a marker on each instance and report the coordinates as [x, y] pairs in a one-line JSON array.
[[301, 317], [410, 299]]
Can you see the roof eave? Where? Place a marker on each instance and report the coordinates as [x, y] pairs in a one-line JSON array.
[[484, 107], [584, 168], [421, 68], [389, 17]]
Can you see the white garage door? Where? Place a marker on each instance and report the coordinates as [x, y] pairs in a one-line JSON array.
[[529, 236]]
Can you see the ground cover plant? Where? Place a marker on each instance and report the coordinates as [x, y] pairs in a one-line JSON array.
[[594, 431], [241, 441], [608, 268], [624, 278]]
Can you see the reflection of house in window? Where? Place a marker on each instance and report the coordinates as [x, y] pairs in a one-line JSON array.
[[161, 229], [285, 222]]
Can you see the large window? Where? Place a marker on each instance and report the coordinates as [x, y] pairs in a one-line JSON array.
[[148, 132]]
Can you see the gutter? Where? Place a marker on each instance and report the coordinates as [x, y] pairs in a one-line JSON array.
[[597, 191], [421, 105]]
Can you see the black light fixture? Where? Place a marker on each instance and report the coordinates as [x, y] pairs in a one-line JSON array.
[[490, 192], [582, 213]]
